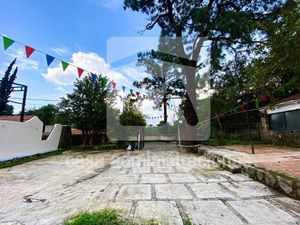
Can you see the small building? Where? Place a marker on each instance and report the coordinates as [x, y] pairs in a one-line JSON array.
[[281, 123]]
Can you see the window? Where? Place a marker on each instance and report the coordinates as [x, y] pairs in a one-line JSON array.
[[277, 121], [292, 120], [285, 121]]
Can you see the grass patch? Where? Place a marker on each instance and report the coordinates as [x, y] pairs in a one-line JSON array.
[[103, 217], [187, 222], [108, 217], [19, 161], [97, 147]]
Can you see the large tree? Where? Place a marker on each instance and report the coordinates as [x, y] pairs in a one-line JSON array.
[[279, 63], [87, 106], [165, 78], [225, 23], [6, 89]]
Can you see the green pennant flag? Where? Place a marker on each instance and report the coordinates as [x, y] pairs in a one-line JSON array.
[[236, 109], [7, 42], [64, 65], [131, 91], [104, 81]]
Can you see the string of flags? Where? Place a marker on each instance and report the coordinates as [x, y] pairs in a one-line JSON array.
[[247, 106], [7, 42], [155, 117]]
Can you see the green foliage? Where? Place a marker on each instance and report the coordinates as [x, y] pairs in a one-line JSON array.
[[228, 26], [5, 89], [47, 114], [87, 106], [103, 217], [278, 68], [187, 222], [131, 116], [165, 76]]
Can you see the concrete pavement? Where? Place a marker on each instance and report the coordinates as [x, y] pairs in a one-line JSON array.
[[157, 183]]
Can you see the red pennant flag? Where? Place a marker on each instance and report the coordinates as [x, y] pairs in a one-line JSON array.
[[242, 107], [113, 84], [138, 94], [80, 71], [29, 51]]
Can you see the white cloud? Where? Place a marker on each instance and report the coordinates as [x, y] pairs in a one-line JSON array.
[[23, 62], [88, 61], [133, 72], [60, 89], [60, 51]]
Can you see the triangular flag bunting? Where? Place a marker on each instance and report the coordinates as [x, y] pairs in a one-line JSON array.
[[104, 81], [236, 109], [49, 59], [131, 91], [123, 88], [7, 42], [242, 107], [29, 51], [93, 77], [138, 94], [64, 65], [113, 84], [80, 71]]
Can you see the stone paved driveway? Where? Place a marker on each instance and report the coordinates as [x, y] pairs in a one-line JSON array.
[[156, 183]]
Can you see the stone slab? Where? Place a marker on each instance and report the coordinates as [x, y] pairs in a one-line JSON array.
[[134, 192], [263, 212], [172, 191], [210, 190], [126, 179], [210, 212], [163, 212], [154, 178], [163, 170], [249, 189], [182, 178], [143, 169]]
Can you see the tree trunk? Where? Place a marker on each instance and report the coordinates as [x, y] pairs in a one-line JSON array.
[[191, 118]]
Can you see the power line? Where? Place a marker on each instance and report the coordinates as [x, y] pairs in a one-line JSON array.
[[38, 99]]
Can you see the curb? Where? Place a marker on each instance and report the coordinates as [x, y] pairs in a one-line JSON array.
[[281, 182]]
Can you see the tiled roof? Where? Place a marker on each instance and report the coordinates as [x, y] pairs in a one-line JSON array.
[[16, 118], [76, 132]]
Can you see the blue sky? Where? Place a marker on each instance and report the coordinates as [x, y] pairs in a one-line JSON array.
[[76, 31]]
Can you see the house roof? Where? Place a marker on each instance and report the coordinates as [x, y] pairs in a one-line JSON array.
[[290, 98], [76, 131], [285, 104], [16, 118]]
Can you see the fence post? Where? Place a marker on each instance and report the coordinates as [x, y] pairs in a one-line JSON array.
[[249, 130]]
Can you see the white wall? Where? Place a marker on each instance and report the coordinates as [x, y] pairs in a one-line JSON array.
[[24, 139]]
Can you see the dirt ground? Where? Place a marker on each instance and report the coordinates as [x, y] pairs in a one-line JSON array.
[[260, 149]]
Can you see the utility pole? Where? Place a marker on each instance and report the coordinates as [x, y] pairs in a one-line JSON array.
[[23, 103], [20, 88]]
